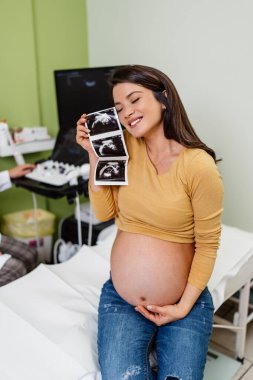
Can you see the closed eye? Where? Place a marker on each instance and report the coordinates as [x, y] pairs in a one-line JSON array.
[[132, 101]]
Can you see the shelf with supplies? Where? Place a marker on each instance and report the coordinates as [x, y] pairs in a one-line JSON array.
[[24, 140], [28, 147]]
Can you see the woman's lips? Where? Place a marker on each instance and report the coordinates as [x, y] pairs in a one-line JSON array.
[[134, 122]]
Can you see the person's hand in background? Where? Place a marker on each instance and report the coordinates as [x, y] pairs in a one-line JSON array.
[[21, 170]]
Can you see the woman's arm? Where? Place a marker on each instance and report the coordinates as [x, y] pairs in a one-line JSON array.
[[101, 197]]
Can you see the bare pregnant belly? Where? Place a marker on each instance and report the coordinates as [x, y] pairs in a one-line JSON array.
[[146, 270]]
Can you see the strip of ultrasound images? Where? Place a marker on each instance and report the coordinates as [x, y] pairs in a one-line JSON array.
[[107, 139]]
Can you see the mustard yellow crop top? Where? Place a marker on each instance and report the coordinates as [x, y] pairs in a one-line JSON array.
[[183, 205]]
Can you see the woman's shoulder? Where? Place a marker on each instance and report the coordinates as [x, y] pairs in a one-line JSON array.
[[198, 156], [198, 163], [201, 173]]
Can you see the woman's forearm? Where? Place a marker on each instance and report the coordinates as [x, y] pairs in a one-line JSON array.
[[93, 162], [189, 297]]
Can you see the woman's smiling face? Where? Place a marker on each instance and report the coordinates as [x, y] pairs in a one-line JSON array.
[[138, 110]]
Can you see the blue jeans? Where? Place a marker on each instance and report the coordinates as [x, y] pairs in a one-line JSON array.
[[126, 339]]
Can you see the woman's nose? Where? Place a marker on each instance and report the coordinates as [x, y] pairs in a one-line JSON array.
[[128, 111]]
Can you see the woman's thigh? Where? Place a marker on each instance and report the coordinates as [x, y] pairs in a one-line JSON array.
[[125, 338], [182, 345]]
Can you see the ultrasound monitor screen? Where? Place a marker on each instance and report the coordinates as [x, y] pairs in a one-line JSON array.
[[81, 91], [78, 91]]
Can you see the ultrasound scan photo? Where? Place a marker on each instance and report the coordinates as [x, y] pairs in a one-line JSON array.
[[103, 122], [110, 147], [111, 171]]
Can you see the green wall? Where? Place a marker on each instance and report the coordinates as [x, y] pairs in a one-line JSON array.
[[36, 38], [18, 78]]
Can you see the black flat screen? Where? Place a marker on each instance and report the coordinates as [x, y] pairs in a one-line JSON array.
[[78, 91]]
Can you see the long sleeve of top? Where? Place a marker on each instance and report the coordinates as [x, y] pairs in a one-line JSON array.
[[183, 205], [5, 181]]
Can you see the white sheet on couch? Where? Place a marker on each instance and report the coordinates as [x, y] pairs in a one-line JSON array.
[[48, 320], [28, 354]]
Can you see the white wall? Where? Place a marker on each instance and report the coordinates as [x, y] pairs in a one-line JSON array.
[[206, 49]]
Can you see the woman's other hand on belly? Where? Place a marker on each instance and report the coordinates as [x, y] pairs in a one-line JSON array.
[[161, 315]]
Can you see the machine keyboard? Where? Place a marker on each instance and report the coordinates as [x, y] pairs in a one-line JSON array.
[[58, 173]]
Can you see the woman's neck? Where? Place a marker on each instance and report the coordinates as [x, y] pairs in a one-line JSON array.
[[162, 152], [158, 145]]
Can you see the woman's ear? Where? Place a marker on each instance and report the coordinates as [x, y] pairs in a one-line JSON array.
[[165, 94]]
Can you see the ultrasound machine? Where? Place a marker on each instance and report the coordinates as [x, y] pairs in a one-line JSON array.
[[66, 171]]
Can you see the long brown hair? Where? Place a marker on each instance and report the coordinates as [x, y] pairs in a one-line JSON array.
[[176, 123]]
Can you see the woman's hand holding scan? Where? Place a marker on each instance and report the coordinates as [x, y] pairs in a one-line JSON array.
[[82, 134]]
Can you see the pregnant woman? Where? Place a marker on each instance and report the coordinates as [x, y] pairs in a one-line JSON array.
[[169, 223]]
